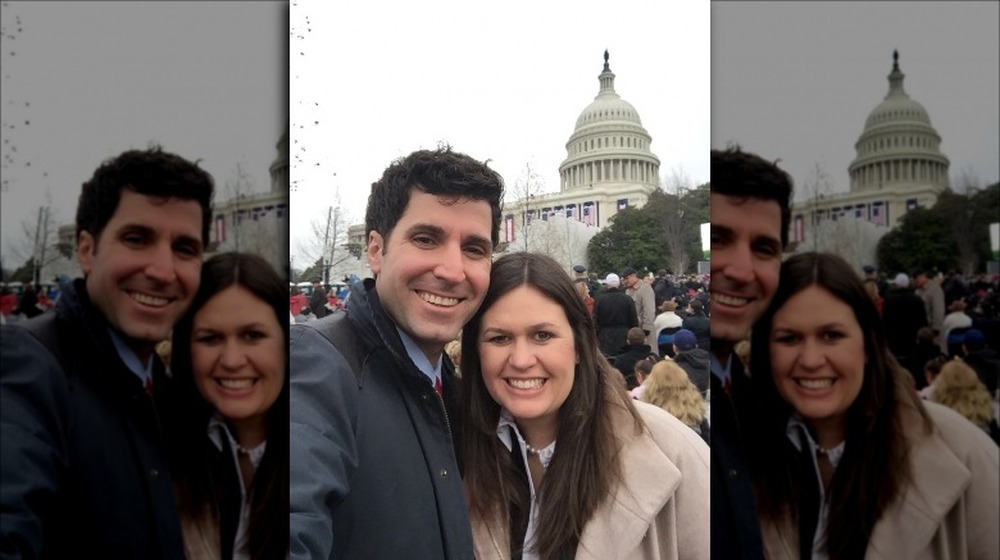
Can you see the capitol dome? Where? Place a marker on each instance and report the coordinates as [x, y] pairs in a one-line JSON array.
[[609, 144], [898, 144]]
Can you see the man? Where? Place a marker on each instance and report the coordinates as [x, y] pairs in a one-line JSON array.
[[635, 349], [663, 288], [614, 315], [692, 359], [750, 212], [318, 300], [373, 471], [698, 323], [903, 314], [933, 297], [83, 469], [645, 302]]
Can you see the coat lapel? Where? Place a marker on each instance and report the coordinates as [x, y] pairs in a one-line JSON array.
[[650, 478], [939, 481]]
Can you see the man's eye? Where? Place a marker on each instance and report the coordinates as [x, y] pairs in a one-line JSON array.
[[423, 240]]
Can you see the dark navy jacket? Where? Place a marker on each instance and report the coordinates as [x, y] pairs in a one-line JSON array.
[[83, 471], [735, 526], [373, 469]]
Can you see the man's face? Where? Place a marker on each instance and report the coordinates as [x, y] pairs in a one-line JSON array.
[[434, 268], [746, 260], [920, 280], [145, 268], [631, 280]]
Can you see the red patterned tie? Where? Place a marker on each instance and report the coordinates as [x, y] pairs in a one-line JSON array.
[[728, 386], [437, 386], [148, 385]]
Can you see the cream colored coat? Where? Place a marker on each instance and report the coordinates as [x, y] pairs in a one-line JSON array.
[[952, 509], [659, 511]]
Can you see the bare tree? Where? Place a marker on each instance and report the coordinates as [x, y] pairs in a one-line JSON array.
[[675, 227], [818, 187], [527, 189]]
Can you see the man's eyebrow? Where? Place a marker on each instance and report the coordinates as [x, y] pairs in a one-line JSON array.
[[425, 228]]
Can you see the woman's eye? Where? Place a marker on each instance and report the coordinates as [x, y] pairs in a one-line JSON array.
[[543, 336]]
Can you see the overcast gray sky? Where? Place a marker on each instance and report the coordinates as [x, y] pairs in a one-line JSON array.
[[505, 81], [84, 81], [796, 80]]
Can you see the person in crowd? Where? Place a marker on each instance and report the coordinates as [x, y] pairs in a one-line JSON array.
[[750, 214], [926, 349], [645, 302], [373, 468], [667, 323], [614, 315], [634, 350], [228, 431], [698, 323], [693, 360], [929, 290], [932, 368], [980, 357], [83, 469], [958, 388], [8, 301], [956, 322], [903, 314], [584, 291], [847, 461], [28, 304], [641, 370], [670, 388], [318, 299], [558, 460], [871, 287]]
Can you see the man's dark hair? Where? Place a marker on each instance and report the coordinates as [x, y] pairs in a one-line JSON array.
[[151, 172], [440, 172], [742, 174]]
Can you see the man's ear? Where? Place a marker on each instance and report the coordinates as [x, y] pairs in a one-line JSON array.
[[86, 246], [376, 246]]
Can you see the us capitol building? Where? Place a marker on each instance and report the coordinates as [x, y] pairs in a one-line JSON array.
[[608, 167], [899, 166]]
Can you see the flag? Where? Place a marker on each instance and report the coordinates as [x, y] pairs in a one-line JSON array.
[[220, 228], [622, 204], [800, 228], [879, 217], [911, 203], [508, 228], [588, 214]]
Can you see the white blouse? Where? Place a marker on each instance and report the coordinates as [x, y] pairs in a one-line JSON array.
[[545, 456], [217, 429], [798, 434]]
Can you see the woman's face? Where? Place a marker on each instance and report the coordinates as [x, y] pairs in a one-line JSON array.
[[528, 356], [817, 356], [238, 354]]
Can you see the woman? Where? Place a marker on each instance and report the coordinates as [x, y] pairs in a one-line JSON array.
[[558, 462], [958, 387], [670, 388], [229, 436], [847, 461]]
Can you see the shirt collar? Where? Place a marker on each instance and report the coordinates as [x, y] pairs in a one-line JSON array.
[[217, 428], [419, 359], [722, 372], [798, 433], [503, 432], [132, 362]]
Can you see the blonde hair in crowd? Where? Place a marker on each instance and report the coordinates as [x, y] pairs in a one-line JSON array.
[[958, 387], [669, 388]]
